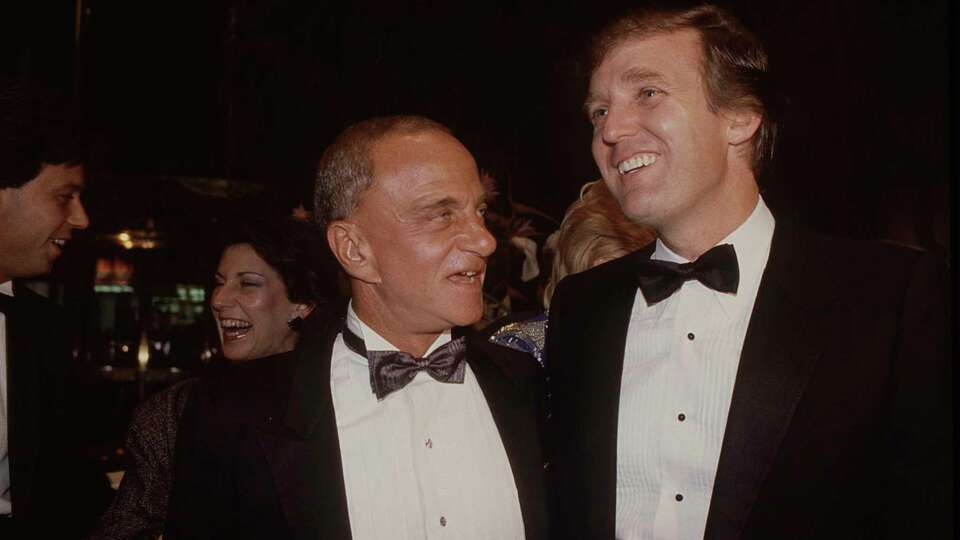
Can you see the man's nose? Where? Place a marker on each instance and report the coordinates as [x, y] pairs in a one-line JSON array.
[[78, 218], [619, 123], [478, 239]]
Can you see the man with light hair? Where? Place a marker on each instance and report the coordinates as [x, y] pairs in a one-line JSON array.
[[740, 378]]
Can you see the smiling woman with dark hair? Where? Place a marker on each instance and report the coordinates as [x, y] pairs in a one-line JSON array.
[[269, 279]]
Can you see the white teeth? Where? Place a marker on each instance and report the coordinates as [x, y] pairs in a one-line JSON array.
[[636, 162], [59, 241], [469, 275], [234, 323]]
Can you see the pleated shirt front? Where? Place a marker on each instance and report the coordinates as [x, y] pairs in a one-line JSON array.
[[679, 368], [426, 462]]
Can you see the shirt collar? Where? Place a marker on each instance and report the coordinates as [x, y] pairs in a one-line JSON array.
[[375, 342], [751, 241], [7, 288]]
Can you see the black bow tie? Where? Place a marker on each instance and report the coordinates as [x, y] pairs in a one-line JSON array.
[[392, 370], [717, 269]]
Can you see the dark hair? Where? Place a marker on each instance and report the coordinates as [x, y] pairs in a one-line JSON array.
[[295, 249], [735, 71], [37, 127], [345, 170]]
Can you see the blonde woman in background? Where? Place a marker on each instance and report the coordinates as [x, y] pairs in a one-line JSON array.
[[594, 231]]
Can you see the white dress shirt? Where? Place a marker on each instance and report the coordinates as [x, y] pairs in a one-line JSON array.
[[679, 368], [5, 504], [426, 462]]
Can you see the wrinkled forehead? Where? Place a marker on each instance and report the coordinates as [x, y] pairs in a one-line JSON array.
[[420, 160], [419, 146]]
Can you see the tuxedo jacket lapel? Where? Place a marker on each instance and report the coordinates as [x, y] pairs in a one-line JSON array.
[[597, 348], [600, 405], [25, 347], [514, 392], [781, 348], [302, 447]]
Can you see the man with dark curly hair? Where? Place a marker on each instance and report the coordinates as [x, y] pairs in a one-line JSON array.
[[41, 178]]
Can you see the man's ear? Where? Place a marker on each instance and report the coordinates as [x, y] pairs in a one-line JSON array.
[[352, 251], [743, 124]]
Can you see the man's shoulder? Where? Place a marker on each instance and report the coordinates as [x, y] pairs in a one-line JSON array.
[[35, 304], [842, 253], [596, 284], [44, 334], [851, 267], [836, 245]]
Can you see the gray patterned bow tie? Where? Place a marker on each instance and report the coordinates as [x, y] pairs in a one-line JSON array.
[[392, 370]]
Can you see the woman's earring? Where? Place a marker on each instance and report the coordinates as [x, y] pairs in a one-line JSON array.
[[295, 323]]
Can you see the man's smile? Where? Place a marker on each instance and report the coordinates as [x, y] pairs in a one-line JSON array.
[[636, 162], [467, 277]]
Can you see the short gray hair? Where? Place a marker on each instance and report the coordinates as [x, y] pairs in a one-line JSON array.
[[345, 170]]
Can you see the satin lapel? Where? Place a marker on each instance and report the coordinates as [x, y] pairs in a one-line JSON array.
[[606, 320], [780, 351], [511, 385], [302, 448], [25, 347]]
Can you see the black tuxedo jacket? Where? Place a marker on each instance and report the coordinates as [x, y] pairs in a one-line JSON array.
[[56, 492], [258, 455], [840, 421]]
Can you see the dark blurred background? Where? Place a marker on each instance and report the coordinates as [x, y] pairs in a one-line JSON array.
[[205, 108]]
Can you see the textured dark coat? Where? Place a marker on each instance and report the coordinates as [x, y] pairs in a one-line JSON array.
[[139, 509]]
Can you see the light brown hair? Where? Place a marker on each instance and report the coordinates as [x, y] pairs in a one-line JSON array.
[[735, 71]]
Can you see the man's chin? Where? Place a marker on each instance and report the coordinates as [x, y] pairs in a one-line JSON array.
[[470, 320], [39, 269], [465, 318]]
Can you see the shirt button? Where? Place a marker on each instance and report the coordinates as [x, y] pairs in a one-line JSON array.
[[443, 521], [690, 336], [679, 497], [681, 417]]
